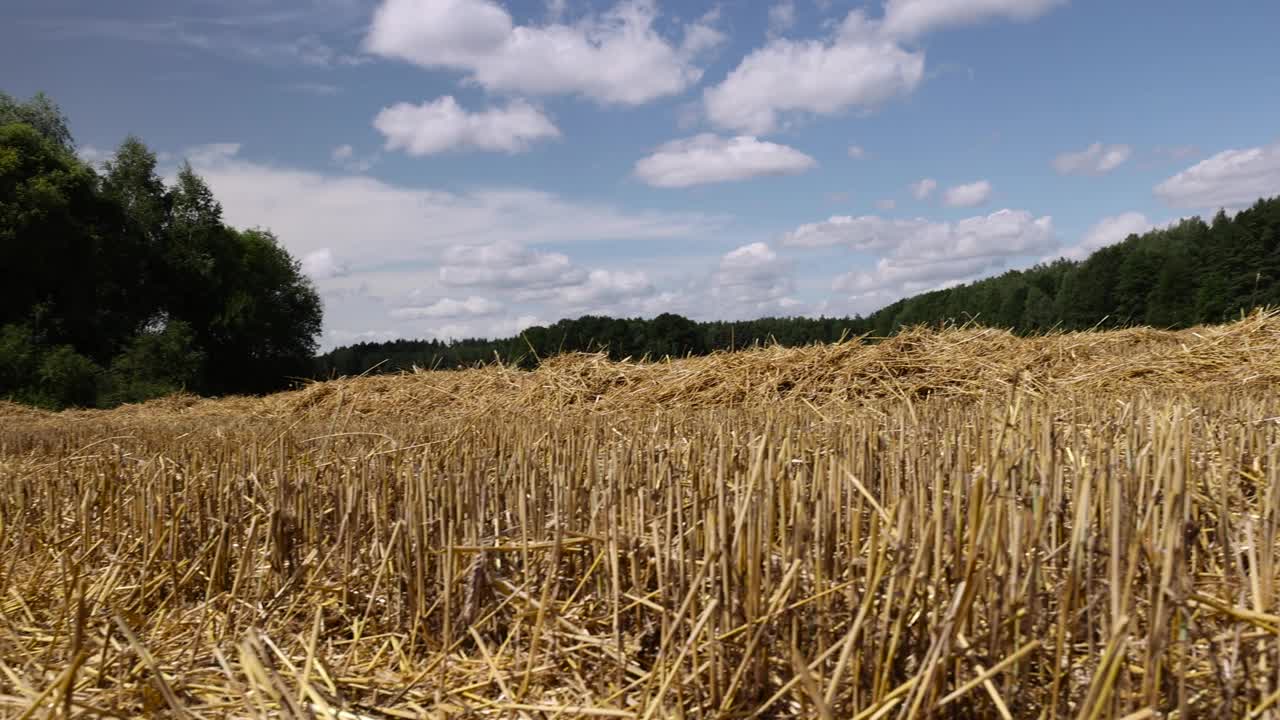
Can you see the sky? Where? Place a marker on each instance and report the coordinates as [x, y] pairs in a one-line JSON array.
[[467, 168]]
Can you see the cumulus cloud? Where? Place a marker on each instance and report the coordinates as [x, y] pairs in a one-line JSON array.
[[1107, 231], [345, 157], [440, 125], [905, 277], [1231, 178], [528, 277], [1003, 232], [857, 152], [322, 265], [709, 158], [922, 189], [450, 308], [613, 57], [487, 328], [919, 254], [1097, 159], [782, 15], [856, 67], [507, 265], [366, 217], [605, 288], [886, 204], [911, 18], [968, 195], [752, 279], [371, 244]]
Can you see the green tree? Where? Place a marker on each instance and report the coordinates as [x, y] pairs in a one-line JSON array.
[[68, 379], [158, 361], [41, 114], [267, 321], [119, 271], [19, 359]]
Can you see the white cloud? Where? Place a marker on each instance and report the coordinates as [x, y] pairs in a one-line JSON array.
[[857, 152], [1229, 178], [919, 254], [969, 195], [922, 189], [509, 266], [709, 158], [614, 57], [605, 288], [911, 18], [488, 328], [376, 246], [782, 16], [902, 277], [366, 217], [344, 156], [857, 67], [1003, 232], [322, 265], [886, 204], [1108, 231], [1097, 159], [441, 125], [450, 308], [750, 280]]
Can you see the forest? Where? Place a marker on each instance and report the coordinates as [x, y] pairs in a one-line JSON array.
[[119, 286], [1191, 273]]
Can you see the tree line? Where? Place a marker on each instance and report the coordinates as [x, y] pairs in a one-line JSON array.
[[1191, 273], [119, 287]]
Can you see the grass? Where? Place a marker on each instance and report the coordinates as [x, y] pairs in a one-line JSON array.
[[956, 524]]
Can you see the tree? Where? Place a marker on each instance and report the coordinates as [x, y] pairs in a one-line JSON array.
[[131, 181], [51, 223], [267, 321], [119, 271], [159, 361], [18, 359], [39, 113], [68, 379]]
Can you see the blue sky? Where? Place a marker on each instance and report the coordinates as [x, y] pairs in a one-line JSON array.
[[449, 168]]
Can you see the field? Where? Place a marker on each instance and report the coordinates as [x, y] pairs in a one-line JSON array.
[[957, 524]]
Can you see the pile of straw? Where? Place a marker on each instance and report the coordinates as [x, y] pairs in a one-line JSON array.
[[958, 524], [918, 363]]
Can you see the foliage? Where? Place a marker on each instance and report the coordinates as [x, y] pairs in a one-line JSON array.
[[41, 114], [120, 271], [157, 362], [67, 378]]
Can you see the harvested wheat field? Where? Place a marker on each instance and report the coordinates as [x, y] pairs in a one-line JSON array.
[[956, 524]]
